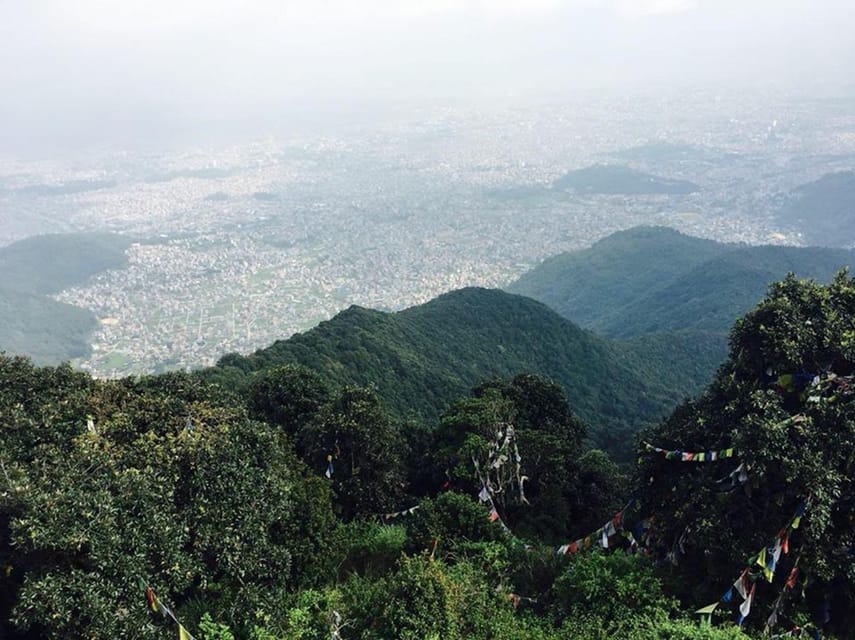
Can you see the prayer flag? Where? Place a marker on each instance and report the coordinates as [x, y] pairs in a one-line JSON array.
[[183, 634], [791, 579], [745, 607], [708, 609], [151, 599], [741, 584]]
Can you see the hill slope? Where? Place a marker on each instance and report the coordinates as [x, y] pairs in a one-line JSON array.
[[824, 210], [53, 262], [651, 279], [33, 324], [422, 358], [612, 179]]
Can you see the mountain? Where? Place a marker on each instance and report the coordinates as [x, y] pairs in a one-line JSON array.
[[612, 179], [824, 210], [44, 329], [32, 323], [667, 294], [653, 279], [422, 358]]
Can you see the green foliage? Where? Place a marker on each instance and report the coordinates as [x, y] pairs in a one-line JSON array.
[[372, 549], [637, 628], [289, 396], [673, 296], [615, 588], [358, 436], [447, 520], [210, 630], [564, 487], [221, 507]]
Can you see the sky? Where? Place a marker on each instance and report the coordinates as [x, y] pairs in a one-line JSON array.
[[89, 69]]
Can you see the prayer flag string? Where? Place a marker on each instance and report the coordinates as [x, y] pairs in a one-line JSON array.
[[157, 606], [690, 456]]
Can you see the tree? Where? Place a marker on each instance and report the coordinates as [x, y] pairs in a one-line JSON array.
[[288, 396], [782, 401], [354, 439], [213, 506]]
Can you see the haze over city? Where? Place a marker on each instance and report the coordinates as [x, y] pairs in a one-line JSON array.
[[268, 164]]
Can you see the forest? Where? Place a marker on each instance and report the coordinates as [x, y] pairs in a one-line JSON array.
[[296, 504]]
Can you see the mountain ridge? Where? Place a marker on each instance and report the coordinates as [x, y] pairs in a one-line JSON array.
[[421, 358]]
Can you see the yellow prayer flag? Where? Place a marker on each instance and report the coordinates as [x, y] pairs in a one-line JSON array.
[[707, 610], [727, 453], [183, 634], [796, 521]]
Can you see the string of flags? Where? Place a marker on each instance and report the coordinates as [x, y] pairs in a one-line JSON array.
[[486, 495], [157, 606], [690, 456], [767, 560], [811, 386], [501, 451], [789, 585], [396, 514], [602, 535]]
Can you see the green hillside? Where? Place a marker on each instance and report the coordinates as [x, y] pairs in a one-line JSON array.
[[53, 262], [587, 285], [44, 329], [612, 179], [33, 324], [824, 210], [653, 279], [421, 358]]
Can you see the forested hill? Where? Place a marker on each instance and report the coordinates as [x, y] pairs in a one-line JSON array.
[[421, 358], [609, 179], [34, 324], [50, 263], [653, 279], [824, 210]]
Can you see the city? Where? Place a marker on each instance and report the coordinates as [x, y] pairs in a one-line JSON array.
[[238, 246]]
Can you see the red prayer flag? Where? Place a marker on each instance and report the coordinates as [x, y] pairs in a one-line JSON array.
[[151, 599], [791, 580]]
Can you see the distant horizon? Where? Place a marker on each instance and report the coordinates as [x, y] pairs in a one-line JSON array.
[[90, 72]]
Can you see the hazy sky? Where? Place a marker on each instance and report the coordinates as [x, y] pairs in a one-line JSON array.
[[70, 68]]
